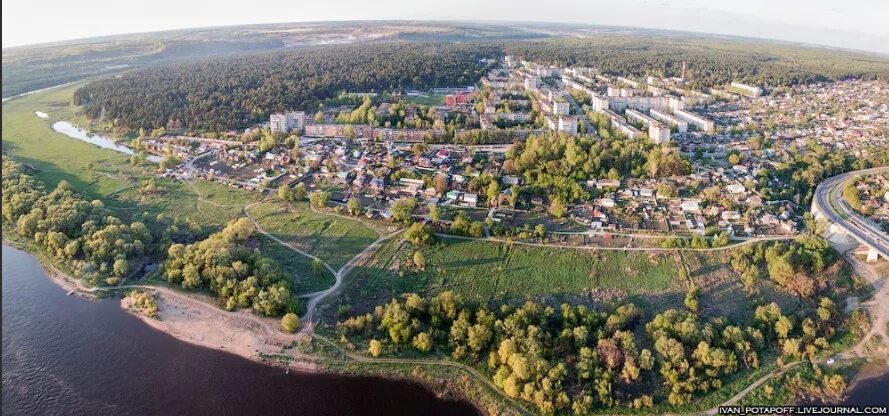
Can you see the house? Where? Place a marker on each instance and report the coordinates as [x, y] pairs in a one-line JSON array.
[[471, 200], [735, 188], [607, 183], [511, 180], [731, 215], [690, 206]]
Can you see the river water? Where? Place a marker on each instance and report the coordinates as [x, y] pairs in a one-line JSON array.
[[74, 132], [68, 355]]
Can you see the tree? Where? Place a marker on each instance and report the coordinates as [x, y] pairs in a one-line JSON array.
[[434, 213], [402, 209], [423, 342], [440, 182], [419, 260], [691, 299], [375, 348], [319, 199], [418, 234], [557, 208], [354, 206], [121, 267], [540, 230], [299, 192], [290, 322], [284, 193], [492, 192]]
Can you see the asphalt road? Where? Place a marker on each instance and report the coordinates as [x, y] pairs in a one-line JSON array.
[[828, 200]]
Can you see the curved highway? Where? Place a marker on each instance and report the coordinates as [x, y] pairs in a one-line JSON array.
[[829, 202]]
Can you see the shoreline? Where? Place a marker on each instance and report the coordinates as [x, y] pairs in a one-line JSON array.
[[197, 321], [194, 319]]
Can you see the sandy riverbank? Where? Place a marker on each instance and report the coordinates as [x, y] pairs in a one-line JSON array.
[[196, 321]]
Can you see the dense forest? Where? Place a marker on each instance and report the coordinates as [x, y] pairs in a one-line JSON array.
[[222, 94], [709, 62]]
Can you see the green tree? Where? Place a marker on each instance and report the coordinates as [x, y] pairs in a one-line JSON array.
[[319, 199], [375, 348], [290, 322], [419, 260], [354, 206]]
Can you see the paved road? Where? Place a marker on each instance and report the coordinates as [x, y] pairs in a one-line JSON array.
[[828, 200]]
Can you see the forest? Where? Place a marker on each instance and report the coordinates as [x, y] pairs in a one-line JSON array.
[[709, 62], [223, 94], [554, 164]]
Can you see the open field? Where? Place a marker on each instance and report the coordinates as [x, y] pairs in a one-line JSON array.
[[428, 100], [333, 239], [484, 271], [306, 276]]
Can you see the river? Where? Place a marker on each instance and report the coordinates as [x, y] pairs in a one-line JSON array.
[[69, 355], [74, 132]]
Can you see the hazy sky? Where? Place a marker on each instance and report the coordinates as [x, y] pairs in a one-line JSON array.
[[858, 24]]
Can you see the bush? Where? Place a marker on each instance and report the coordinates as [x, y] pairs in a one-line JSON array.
[[290, 322]]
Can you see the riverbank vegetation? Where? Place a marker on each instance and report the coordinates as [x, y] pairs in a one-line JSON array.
[[80, 233], [239, 276]]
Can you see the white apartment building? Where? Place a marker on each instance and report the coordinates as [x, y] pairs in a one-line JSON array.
[[600, 103], [562, 124], [620, 124], [287, 122], [278, 123], [681, 125], [702, 123], [531, 83], [745, 89], [658, 132], [560, 107]]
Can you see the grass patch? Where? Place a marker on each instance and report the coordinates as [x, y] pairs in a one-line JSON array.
[[486, 271], [333, 239], [429, 100]]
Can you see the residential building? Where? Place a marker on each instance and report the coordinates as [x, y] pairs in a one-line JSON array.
[[745, 89], [287, 122], [681, 125], [702, 123]]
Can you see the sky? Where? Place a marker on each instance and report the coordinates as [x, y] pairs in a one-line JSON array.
[[854, 24]]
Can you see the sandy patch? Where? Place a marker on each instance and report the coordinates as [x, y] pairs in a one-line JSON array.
[[195, 321]]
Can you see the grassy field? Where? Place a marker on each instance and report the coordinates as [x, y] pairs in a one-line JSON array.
[[483, 271], [333, 239], [429, 100]]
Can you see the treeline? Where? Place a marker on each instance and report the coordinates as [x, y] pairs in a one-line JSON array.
[[79, 233], [239, 276], [222, 94], [708, 62], [581, 359]]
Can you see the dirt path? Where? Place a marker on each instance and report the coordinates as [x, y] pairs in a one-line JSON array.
[[318, 297]]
